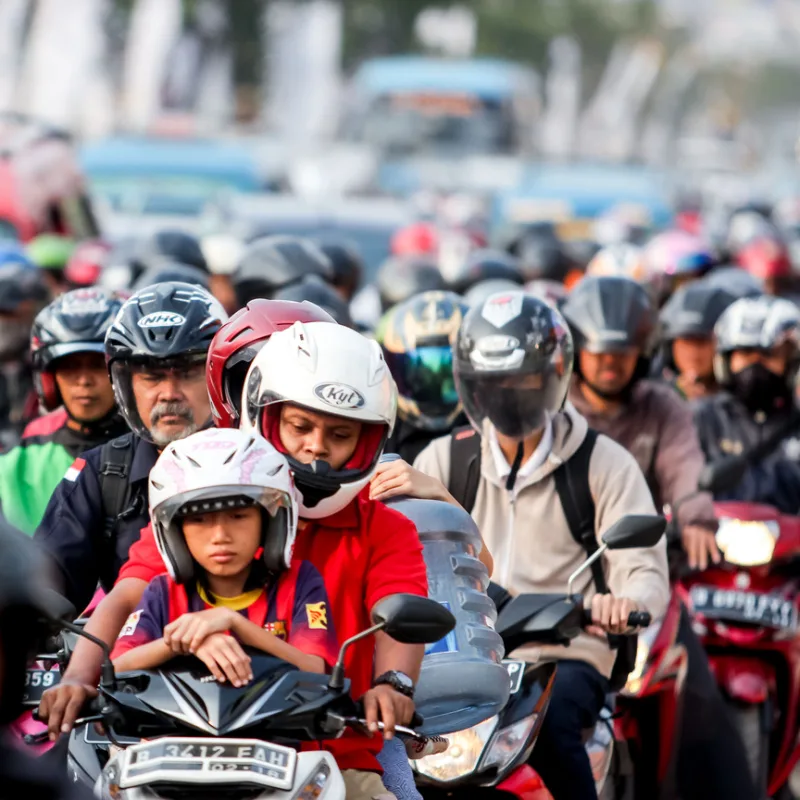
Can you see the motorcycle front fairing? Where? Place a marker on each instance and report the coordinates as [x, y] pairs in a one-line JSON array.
[[281, 702]]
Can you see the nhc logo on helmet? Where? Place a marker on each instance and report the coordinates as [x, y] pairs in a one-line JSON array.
[[161, 319], [339, 395]]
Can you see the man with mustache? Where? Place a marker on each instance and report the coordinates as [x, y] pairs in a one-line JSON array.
[[155, 352]]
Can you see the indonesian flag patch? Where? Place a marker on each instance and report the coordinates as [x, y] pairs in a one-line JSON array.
[[77, 467]]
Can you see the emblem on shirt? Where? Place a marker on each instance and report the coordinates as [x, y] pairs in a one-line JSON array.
[[317, 616], [131, 623], [277, 628]]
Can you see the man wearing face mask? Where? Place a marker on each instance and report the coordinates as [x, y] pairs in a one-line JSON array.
[[756, 362], [156, 354]]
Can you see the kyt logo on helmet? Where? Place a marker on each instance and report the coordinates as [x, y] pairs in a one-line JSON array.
[[339, 395]]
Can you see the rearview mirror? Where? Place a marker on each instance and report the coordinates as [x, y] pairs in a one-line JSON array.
[[722, 475], [57, 607], [411, 619], [635, 530]]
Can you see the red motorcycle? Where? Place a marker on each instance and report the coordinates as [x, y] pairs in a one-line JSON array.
[[746, 610]]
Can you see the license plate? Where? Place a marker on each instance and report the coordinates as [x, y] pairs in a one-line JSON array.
[[193, 761], [37, 681], [755, 608], [515, 672]]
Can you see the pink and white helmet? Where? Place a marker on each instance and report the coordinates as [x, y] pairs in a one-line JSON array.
[[217, 469], [672, 257]]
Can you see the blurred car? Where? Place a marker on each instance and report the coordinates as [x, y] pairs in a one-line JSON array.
[[411, 123], [178, 177], [367, 223], [574, 196]]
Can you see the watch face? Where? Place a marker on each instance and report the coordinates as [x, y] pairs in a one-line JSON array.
[[403, 679]]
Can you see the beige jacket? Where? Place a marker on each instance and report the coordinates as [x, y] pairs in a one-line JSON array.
[[528, 536]]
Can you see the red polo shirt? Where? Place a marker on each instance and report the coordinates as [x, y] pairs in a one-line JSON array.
[[364, 553]]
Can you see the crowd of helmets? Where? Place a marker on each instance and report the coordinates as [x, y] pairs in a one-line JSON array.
[[424, 288]]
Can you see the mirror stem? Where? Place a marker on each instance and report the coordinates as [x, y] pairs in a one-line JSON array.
[[108, 678], [583, 567], [337, 673]]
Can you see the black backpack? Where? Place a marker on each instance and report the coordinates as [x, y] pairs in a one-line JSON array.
[[572, 485]]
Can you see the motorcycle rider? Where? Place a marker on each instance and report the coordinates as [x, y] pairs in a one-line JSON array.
[[686, 355], [23, 293], [73, 386], [271, 263], [417, 337], [513, 363], [225, 519], [347, 264], [155, 352], [51, 253], [363, 550], [757, 361], [613, 323]]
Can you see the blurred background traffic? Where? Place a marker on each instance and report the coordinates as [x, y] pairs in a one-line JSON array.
[[402, 128]]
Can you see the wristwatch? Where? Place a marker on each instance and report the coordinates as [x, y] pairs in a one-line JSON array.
[[399, 681]]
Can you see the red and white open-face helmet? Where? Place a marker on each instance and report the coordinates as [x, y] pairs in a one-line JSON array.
[[236, 343], [328, 369], [218, 469]]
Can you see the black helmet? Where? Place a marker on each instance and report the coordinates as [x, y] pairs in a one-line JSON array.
[[418, 337], [174, 246], [542, 257], [693, 311], [169, 272], [610, 314], [21, 282], [76, 322], [314, 290], [168, 322], [348, 266], [513, 363], [272, 262], [401, 277], [22, 289], [485, 265]]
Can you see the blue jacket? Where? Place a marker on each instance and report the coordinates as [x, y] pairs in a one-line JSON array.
[[73, 529]]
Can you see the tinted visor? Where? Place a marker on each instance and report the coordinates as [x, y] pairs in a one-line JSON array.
[[425, 375]]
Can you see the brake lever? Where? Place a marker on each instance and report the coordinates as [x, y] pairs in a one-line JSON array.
[[44, 736]]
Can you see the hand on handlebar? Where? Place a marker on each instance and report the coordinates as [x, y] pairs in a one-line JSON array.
[[613, 615], [61, 705], [385, 704], [700, 545]]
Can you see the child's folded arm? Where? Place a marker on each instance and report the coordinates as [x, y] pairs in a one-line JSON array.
[[145, 656], [252, 635]]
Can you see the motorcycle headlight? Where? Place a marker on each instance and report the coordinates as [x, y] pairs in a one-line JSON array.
[[747, 543], [462, 755], [507, 743]]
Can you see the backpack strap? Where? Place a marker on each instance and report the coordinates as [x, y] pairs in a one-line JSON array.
[[575, 494], [465, 451], [116, 457]]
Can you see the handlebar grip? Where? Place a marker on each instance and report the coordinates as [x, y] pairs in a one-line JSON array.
[[636, 619], [639, 619]]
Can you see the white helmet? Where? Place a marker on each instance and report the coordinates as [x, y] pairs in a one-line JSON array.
[[216, 469], [329, 369], [622, 260]]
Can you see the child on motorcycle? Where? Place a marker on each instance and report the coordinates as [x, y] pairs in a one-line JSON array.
[[225, 519]]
